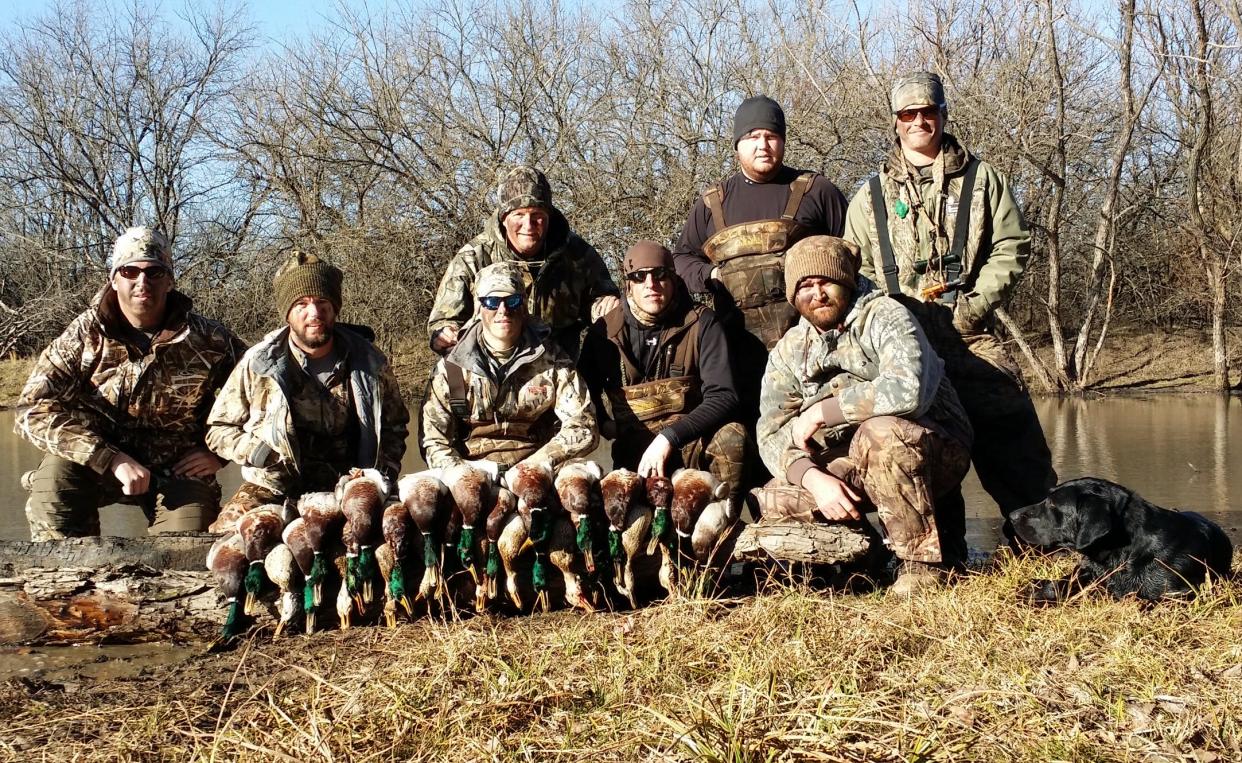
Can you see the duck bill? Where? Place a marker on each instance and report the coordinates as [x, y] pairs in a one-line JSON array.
[[310, 620], [406, 605], [543, 602], [480, 598], [390, 614]]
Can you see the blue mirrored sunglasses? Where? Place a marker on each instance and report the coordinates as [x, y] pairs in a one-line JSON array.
[[511, 302]]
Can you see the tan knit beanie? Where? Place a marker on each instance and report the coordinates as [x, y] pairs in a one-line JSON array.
[[826, 256], [305, 275]]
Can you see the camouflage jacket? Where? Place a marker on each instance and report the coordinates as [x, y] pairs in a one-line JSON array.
[[538, 411], [878, 364], [570, 278], [998, 243], [251, 422], [94, 393]]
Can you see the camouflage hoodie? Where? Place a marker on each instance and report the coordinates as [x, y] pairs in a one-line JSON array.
[[878, 364], [540, 410], [571, 276], [94, 392], [251, 422], [998, 243]]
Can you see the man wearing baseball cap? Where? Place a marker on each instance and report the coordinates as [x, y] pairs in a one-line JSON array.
[[856, 412], [118, 402], [659, 371], [312, 400], [733, 244], [506, 392], [566, 282], [940, 229]]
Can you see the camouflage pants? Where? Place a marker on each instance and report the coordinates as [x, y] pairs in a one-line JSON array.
[[1010, 453], [65, 498], [901, 467], [723, 455]]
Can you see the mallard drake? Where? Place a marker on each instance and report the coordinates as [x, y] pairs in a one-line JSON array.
[[504, 507], [344, 600], [260, 533], [472, 490], [660, 496], [427, 501], [282, 569], [712, 528], [577, 486], [622, 489], [321, 521], [693, 491], [362, 494], [511, 543], [536, 494], [227, 562], [397, 541], [386, 560], [563, 555]]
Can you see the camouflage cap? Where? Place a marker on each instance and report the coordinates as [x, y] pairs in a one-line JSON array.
[[825, 256], [499, 279], [141, 244], [305, 275], [520, 187], [918, 90]]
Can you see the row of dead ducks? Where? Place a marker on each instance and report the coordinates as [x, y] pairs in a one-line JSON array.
[[587, 527]]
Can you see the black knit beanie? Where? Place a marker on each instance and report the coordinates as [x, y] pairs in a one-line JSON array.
[[758, 112]]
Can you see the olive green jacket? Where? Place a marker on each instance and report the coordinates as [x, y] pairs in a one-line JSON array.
[[998, 243]]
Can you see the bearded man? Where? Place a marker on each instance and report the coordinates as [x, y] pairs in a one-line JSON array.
[[311, 401], [856, 412]]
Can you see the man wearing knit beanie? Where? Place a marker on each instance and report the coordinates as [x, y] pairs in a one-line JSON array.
[[118, 402], [311, 401], [856, 413], [658, 367], [942, 227], [568, 284], [732, 246]]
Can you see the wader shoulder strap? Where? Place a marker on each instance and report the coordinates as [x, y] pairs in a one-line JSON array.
[[797, 189], [456, 379], [888, 262], [957, 253], [712, 198]]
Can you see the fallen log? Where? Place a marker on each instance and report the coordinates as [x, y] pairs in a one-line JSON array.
[[107, 589], [806, 542]]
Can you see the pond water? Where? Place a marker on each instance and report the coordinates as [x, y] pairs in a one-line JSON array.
[[1182, 451]]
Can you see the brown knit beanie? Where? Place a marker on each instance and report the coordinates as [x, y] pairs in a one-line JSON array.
[[826, 256], [305, 275], [646, 254]]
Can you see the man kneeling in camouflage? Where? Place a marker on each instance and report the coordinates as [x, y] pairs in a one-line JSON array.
[[856, 411], [119, 403]]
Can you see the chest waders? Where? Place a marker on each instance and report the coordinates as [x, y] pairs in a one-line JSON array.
[[951, 266], [521, 438], [673, 387], [751, 259]]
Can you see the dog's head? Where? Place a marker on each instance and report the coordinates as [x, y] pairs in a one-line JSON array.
[[1075, 514]]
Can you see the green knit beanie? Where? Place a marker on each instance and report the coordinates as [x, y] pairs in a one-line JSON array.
[[305, 275]]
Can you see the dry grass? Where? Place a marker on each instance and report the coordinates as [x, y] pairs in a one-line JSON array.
[[967, 674], [13, 375]]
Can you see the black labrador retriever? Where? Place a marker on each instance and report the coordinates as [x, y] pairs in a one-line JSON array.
[[1129, 545]]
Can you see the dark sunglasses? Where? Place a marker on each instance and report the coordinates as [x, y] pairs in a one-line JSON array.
[[928, 112], [511, 302], [659, 274], [153, 273]]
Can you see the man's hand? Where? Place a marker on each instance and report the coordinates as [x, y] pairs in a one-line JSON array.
[[654, 457], [806, 425], [445, 339], [135, 478], [197, 462], [833, 498], [603, 306]]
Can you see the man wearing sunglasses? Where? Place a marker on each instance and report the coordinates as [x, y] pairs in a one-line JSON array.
[[658, 369], [567, 283], [506, 392], [119, 402], [940, 229], [312, 400], [735, 238]]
